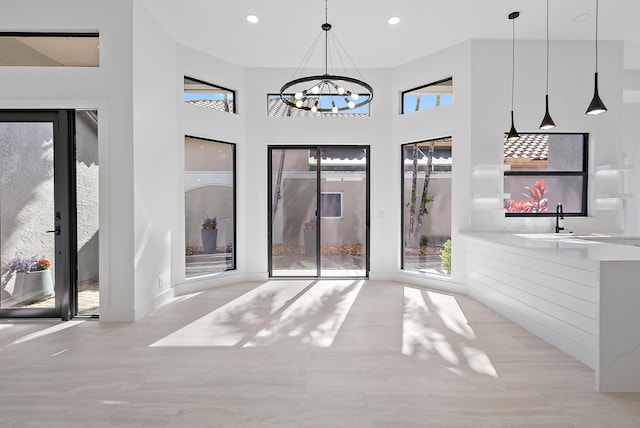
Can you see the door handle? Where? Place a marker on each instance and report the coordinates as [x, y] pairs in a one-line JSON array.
[[56, 230]]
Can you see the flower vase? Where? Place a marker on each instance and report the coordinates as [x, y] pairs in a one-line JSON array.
[[33, 286], [209, 240]]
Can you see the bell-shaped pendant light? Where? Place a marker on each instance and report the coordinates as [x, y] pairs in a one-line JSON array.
[[513, 134], [596, 106], [547, 121]]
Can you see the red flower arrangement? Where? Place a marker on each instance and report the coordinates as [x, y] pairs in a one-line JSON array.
[[536, 201]]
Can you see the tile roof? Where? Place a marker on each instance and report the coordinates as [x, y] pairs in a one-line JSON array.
[[220, 105], [528, 146]]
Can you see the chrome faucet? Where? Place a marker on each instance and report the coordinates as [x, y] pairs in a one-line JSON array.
[[559, 216]]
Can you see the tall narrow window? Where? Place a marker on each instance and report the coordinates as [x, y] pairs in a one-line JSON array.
[[87, 212], [206, 95], [428, 96], [426, 206], [546, 170], [209, 206]]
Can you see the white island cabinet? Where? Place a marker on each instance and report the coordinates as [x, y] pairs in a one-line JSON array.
[[581, 295]]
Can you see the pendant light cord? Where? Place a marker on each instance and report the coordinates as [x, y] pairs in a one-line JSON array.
[[547, 47], [326, 37], [513, 60], [597, 36]]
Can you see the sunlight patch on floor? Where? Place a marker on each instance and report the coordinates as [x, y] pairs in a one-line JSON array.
[[435, 327], [47, 331], [315, 318], [308, 312]]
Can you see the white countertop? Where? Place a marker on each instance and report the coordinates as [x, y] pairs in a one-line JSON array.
[[584, 247]]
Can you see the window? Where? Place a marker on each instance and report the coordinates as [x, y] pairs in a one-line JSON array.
[[545, 170], [277, 108], [331, 205], [206, 95], [49, 49], [426, 206], [428, 96], [209, 207]]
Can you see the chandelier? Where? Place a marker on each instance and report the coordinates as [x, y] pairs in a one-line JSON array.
[[324, 93]]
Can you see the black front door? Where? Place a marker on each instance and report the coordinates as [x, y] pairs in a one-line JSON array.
[[37, 214]]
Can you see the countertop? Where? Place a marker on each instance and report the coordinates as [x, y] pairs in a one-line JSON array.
[[584, 247]]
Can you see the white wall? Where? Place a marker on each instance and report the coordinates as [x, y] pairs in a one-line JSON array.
[[156, 171], [218, 126], [137, 90], [107, 88], [449, 120], [631, 98], [262, 131], [570, 91]]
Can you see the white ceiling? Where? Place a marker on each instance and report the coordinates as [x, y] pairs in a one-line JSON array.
[[287, 28]]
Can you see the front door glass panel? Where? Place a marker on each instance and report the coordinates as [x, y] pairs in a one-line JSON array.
[[27, 215]]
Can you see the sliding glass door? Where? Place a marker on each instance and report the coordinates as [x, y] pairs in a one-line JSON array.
[[37, 219], [319, 211]]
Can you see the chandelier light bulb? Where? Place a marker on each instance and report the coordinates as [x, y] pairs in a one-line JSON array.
[[355, 96], [350, 103], [299, 103], [298, 95], [334, 109], [340, 90], [315, 89]]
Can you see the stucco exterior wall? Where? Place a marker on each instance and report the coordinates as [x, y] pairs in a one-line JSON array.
[[26, 191], [88, 197]]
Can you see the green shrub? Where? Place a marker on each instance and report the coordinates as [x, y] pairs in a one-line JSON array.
[[445, 256]]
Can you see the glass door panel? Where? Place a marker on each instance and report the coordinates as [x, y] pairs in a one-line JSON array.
[[87, 167], [343, 211], [319, 211], [37, 246], [27, 215], [293, 229]]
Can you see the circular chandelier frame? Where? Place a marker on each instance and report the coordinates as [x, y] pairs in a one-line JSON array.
[[322, 81]]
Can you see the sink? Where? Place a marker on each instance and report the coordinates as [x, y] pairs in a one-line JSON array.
[[545, 235]]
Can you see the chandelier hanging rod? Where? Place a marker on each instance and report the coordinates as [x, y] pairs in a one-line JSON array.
[[309, 92]]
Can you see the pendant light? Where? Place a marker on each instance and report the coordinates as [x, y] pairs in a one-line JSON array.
[[513, 134], [547, 121], [596, 106]]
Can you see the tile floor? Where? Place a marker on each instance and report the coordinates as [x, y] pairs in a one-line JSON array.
[[331, 353]]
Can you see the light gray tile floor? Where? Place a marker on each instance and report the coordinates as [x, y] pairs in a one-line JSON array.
[[329, 353]]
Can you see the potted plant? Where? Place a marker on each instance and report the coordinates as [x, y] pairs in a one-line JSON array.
[[33, 278], [310, 237], [209, 234]]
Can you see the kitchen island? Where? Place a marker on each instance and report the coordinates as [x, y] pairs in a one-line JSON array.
[[579, 293]]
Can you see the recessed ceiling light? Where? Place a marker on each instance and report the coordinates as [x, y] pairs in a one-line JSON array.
[[253, 19], [393, 20], [581, 17]]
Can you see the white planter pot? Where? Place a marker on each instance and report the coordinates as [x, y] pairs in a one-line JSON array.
[[33, 286]]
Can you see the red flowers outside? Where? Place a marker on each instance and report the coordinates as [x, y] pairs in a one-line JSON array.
[[536, 202]]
